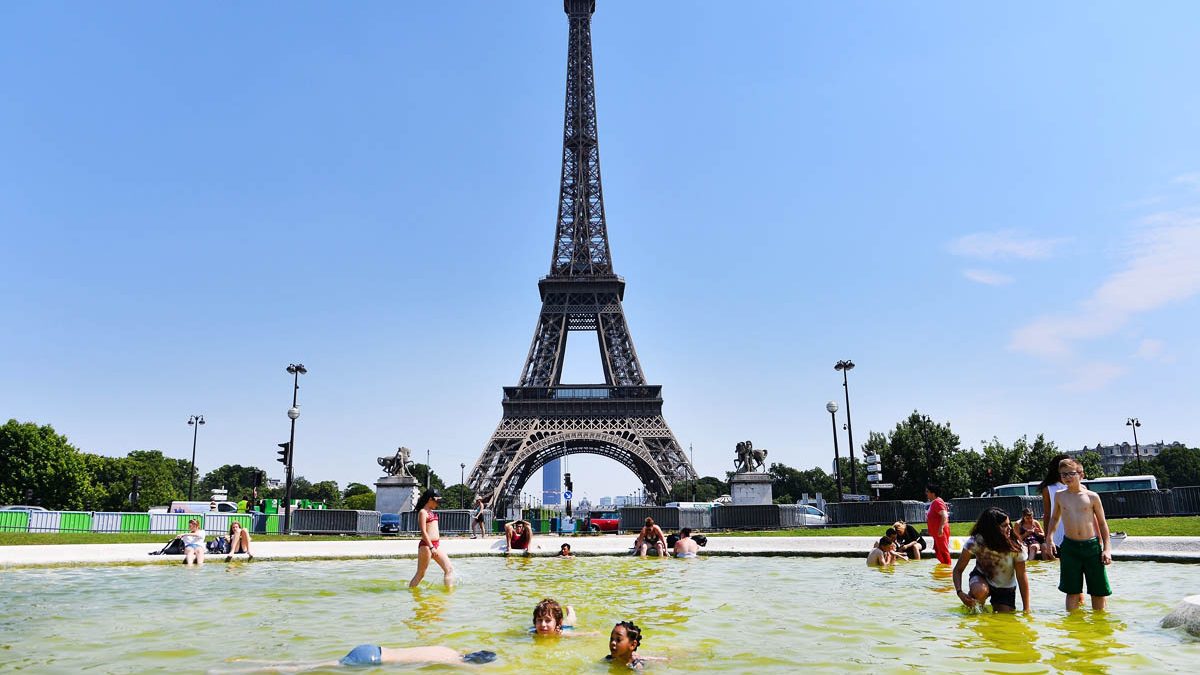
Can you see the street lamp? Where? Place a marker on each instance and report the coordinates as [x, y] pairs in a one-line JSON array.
[[293, 413], [846, 366], [832, 407], [462, 484], [1137, 449], [194, 422]]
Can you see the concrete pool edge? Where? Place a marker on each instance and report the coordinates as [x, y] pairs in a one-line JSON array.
[[1151, 549]]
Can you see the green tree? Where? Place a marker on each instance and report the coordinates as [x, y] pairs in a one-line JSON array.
[[789, 484], [918, 452], [326, 491], [1092, 465], [458, 497], [357, 489], [1180, 466], [39, 465], [362, 501], [419, 472], [237, 479], [1037, 460], [705, 489], [162, 479]]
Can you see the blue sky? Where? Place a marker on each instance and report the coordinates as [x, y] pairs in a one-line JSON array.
[[992, 210]]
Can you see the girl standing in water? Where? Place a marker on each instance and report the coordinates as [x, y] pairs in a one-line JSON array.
[[427, 522]]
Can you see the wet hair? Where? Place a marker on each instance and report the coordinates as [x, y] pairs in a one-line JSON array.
[[549, 607], [431, 493], [632, 631], [1051, 476], [883, 541], [564, 546], [934, 488], [994, 537], [685, 532], [649, 521]]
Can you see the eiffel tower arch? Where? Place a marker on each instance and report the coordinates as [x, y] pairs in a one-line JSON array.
[[544, 419]]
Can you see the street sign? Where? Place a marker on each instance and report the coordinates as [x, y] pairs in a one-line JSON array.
[[856, 498], [882, 486], [567, 494], [874, 477], [874, 468]]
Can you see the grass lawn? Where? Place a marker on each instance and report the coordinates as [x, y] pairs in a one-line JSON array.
[[1172, 526]]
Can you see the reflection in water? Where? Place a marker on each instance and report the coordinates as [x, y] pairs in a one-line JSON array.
[[429, 606], [1088, 639], [1000, 638], [943, 579]]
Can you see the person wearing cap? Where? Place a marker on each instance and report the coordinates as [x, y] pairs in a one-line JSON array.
[[427, 548]]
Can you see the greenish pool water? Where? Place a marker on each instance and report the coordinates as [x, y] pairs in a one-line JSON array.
[[724, 614]]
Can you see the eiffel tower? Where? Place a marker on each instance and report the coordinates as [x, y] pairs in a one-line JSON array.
[[544, 419]]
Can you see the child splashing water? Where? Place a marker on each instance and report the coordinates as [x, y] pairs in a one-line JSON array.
[[999, 564]]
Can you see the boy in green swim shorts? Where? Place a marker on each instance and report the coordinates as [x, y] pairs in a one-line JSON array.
[[1086, 549]]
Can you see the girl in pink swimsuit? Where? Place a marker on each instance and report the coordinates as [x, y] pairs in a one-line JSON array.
[[427, 548]]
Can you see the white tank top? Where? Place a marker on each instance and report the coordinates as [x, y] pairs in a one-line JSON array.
[[1061, 530]]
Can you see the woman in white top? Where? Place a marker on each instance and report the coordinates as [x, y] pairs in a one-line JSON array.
[[1050, 487], [193, 543]]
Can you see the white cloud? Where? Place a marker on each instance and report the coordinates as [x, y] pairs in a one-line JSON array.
[[1093, 376], [1191, 180], [987, 277], [1150, 349], [1003, 245], [1161, 269]]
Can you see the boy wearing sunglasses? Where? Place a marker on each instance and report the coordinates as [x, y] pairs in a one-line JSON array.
[[1086, 549]]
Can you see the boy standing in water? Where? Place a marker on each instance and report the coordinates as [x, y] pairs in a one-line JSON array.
[[938, 521], [1085, 549]]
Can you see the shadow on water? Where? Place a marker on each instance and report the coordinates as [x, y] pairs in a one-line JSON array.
[[1088, 639]]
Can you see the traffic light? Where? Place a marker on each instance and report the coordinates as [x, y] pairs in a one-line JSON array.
[[133, 493], [567, 482], [258, 479], [285, 455]]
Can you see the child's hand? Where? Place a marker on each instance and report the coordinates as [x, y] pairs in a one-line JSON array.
[[1106, 558], [1049, 550]]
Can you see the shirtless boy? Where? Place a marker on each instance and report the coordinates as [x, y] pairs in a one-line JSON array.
[[1086, 549]]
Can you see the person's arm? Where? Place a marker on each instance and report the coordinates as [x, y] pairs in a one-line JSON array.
[[945, 517], [1050, 549], [1023, 583], [1102, 523], [963, 558]]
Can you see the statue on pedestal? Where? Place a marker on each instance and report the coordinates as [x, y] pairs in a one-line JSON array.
[[398, 464], [748, 459]]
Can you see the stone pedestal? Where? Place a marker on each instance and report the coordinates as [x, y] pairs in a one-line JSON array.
[[750, 488], [396, 494], [1187, 614]]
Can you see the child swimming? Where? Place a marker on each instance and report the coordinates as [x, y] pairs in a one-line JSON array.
[[999, 564], [623, 642], [564, 551], [550, 619]]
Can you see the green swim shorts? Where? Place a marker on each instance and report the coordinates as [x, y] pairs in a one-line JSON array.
[[1080, 560]]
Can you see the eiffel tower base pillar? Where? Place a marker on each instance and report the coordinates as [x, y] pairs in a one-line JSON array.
[[751, 489], [396, 494]]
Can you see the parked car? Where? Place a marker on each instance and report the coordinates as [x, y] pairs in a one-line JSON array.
[[19, 507], [604, 521], [389, 523], [811, 516]]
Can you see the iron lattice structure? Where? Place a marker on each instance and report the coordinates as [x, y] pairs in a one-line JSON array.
[[544, 419]]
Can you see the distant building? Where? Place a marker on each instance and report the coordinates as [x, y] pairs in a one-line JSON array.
[[552, 483], [583, 507], [1113, 457], [622, 500], [605, 501]]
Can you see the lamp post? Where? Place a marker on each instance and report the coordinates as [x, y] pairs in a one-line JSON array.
[[194, 422], [695, 474], [293, 413], [428, 469], [1137, 449], [846, 366], [832, 407], [462, 484]]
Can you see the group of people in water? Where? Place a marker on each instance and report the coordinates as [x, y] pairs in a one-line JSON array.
[[1079, 538]]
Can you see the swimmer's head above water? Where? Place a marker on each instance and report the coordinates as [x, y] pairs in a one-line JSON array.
[[623, 641], [548, 617]]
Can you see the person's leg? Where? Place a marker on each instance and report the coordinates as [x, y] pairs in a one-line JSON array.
[[979, 590], [914, 550], [941, 547], [188, 555], [1099, 603], [423, 556], [199, 555], [447, 569]]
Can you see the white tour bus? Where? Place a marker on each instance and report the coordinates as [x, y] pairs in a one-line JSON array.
[[1111, 484]]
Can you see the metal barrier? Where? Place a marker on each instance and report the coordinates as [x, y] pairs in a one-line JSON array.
[[368, 522], [747, 517], [697, 519], [324, 521], [218, 524], [266, 523], [968, 509], [875, 513], [791, 516], [60, 521], [1185, 501], [1136, 503], [172, 523], [14, 521], [634, 517]]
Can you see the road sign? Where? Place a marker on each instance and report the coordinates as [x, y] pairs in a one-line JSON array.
[[874, 468], [567, 494], [882, 486], [856, 498], [874, 477]]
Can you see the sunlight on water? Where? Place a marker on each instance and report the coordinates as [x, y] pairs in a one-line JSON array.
[[726, 614]]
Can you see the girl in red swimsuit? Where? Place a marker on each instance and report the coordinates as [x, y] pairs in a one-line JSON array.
[[427, 548]]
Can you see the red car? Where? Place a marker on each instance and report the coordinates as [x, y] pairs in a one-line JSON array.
[[604, 521]]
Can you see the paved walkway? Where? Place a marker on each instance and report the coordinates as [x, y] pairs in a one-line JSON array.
[[1163, 549]]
